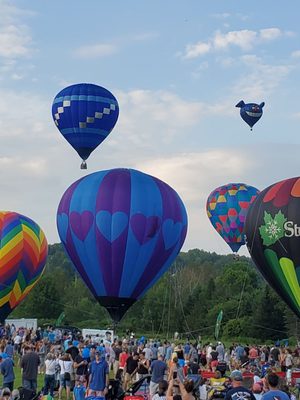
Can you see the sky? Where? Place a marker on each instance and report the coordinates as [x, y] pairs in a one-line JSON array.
[[177, 68]]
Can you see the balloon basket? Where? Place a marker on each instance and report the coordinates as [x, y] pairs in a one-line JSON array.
[[83, 165]]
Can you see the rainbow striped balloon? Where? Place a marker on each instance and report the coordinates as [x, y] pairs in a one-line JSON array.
[[23, 254]]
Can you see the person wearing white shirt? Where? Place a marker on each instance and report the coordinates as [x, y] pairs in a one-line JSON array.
[[66, 369], [49, 381]]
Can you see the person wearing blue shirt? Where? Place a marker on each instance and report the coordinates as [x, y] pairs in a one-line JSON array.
[[79, 389], [99, 378], [186, 349], [158, 371], [274, 393], [7, 370], [9, 349], [238, 391]]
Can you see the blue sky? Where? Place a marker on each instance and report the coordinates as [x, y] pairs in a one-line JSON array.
[[177, 69]]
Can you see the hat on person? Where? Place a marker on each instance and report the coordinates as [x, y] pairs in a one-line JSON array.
[[6, 392], [236, 375]]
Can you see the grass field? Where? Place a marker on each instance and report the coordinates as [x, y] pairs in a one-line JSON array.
[[18, 380]]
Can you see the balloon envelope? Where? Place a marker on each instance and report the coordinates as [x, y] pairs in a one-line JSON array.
[[122, 229], [23, 254], [85, 114], [251, 112], [227, 207], [273, 238]]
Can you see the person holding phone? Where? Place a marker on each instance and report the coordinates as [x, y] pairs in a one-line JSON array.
[[178, 390], [176, 371]]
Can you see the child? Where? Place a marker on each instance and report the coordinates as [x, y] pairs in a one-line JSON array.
[[79, 389]]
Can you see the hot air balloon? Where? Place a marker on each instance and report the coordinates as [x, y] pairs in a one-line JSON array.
[[227, 207], [122, 229], [273, 238], [85, 114], [23, 254], [251, 112]]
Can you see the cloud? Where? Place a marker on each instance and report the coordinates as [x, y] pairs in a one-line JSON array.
[[95, 51], [243, 39], [296, 54], [15, 38], [15, 41], [261, 79], [223, 15]]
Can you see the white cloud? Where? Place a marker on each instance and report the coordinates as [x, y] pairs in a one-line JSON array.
[[270, 34], [197, 49], [95, 51], [15, 38], [15, 41], [296, 54], [223, 15], [243, 39], [261, 79]]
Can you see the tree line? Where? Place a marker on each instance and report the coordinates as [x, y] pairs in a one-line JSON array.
[[187, 300]]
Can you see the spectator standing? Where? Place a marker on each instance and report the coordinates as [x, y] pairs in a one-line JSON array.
[[272, 382], [99, 378], [158, 371], [7, 370], [238, 391], [66, 369], [30, 362], [49, 380]]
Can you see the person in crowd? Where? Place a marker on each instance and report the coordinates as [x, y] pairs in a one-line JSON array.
[[66, 369], [186, 390], [273, 392], [175, 371], [130, 370], [99, 378], [79, 390], [81, 366], [42, 354], [30, 362], [122, 361], [117, 350], [143, 366], [72, 350], [9, 349], [7, 370], [50, 371], [257, 390], [221, 351], [214, 359], [158, 371], [238, 391], [161, 393]]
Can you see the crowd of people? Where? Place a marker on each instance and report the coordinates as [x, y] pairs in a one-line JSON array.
[[81, 367]]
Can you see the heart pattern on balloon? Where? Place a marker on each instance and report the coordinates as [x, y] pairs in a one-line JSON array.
[[111, 226], [171, 232], [81, 223], [63, 222], [144, 228]]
